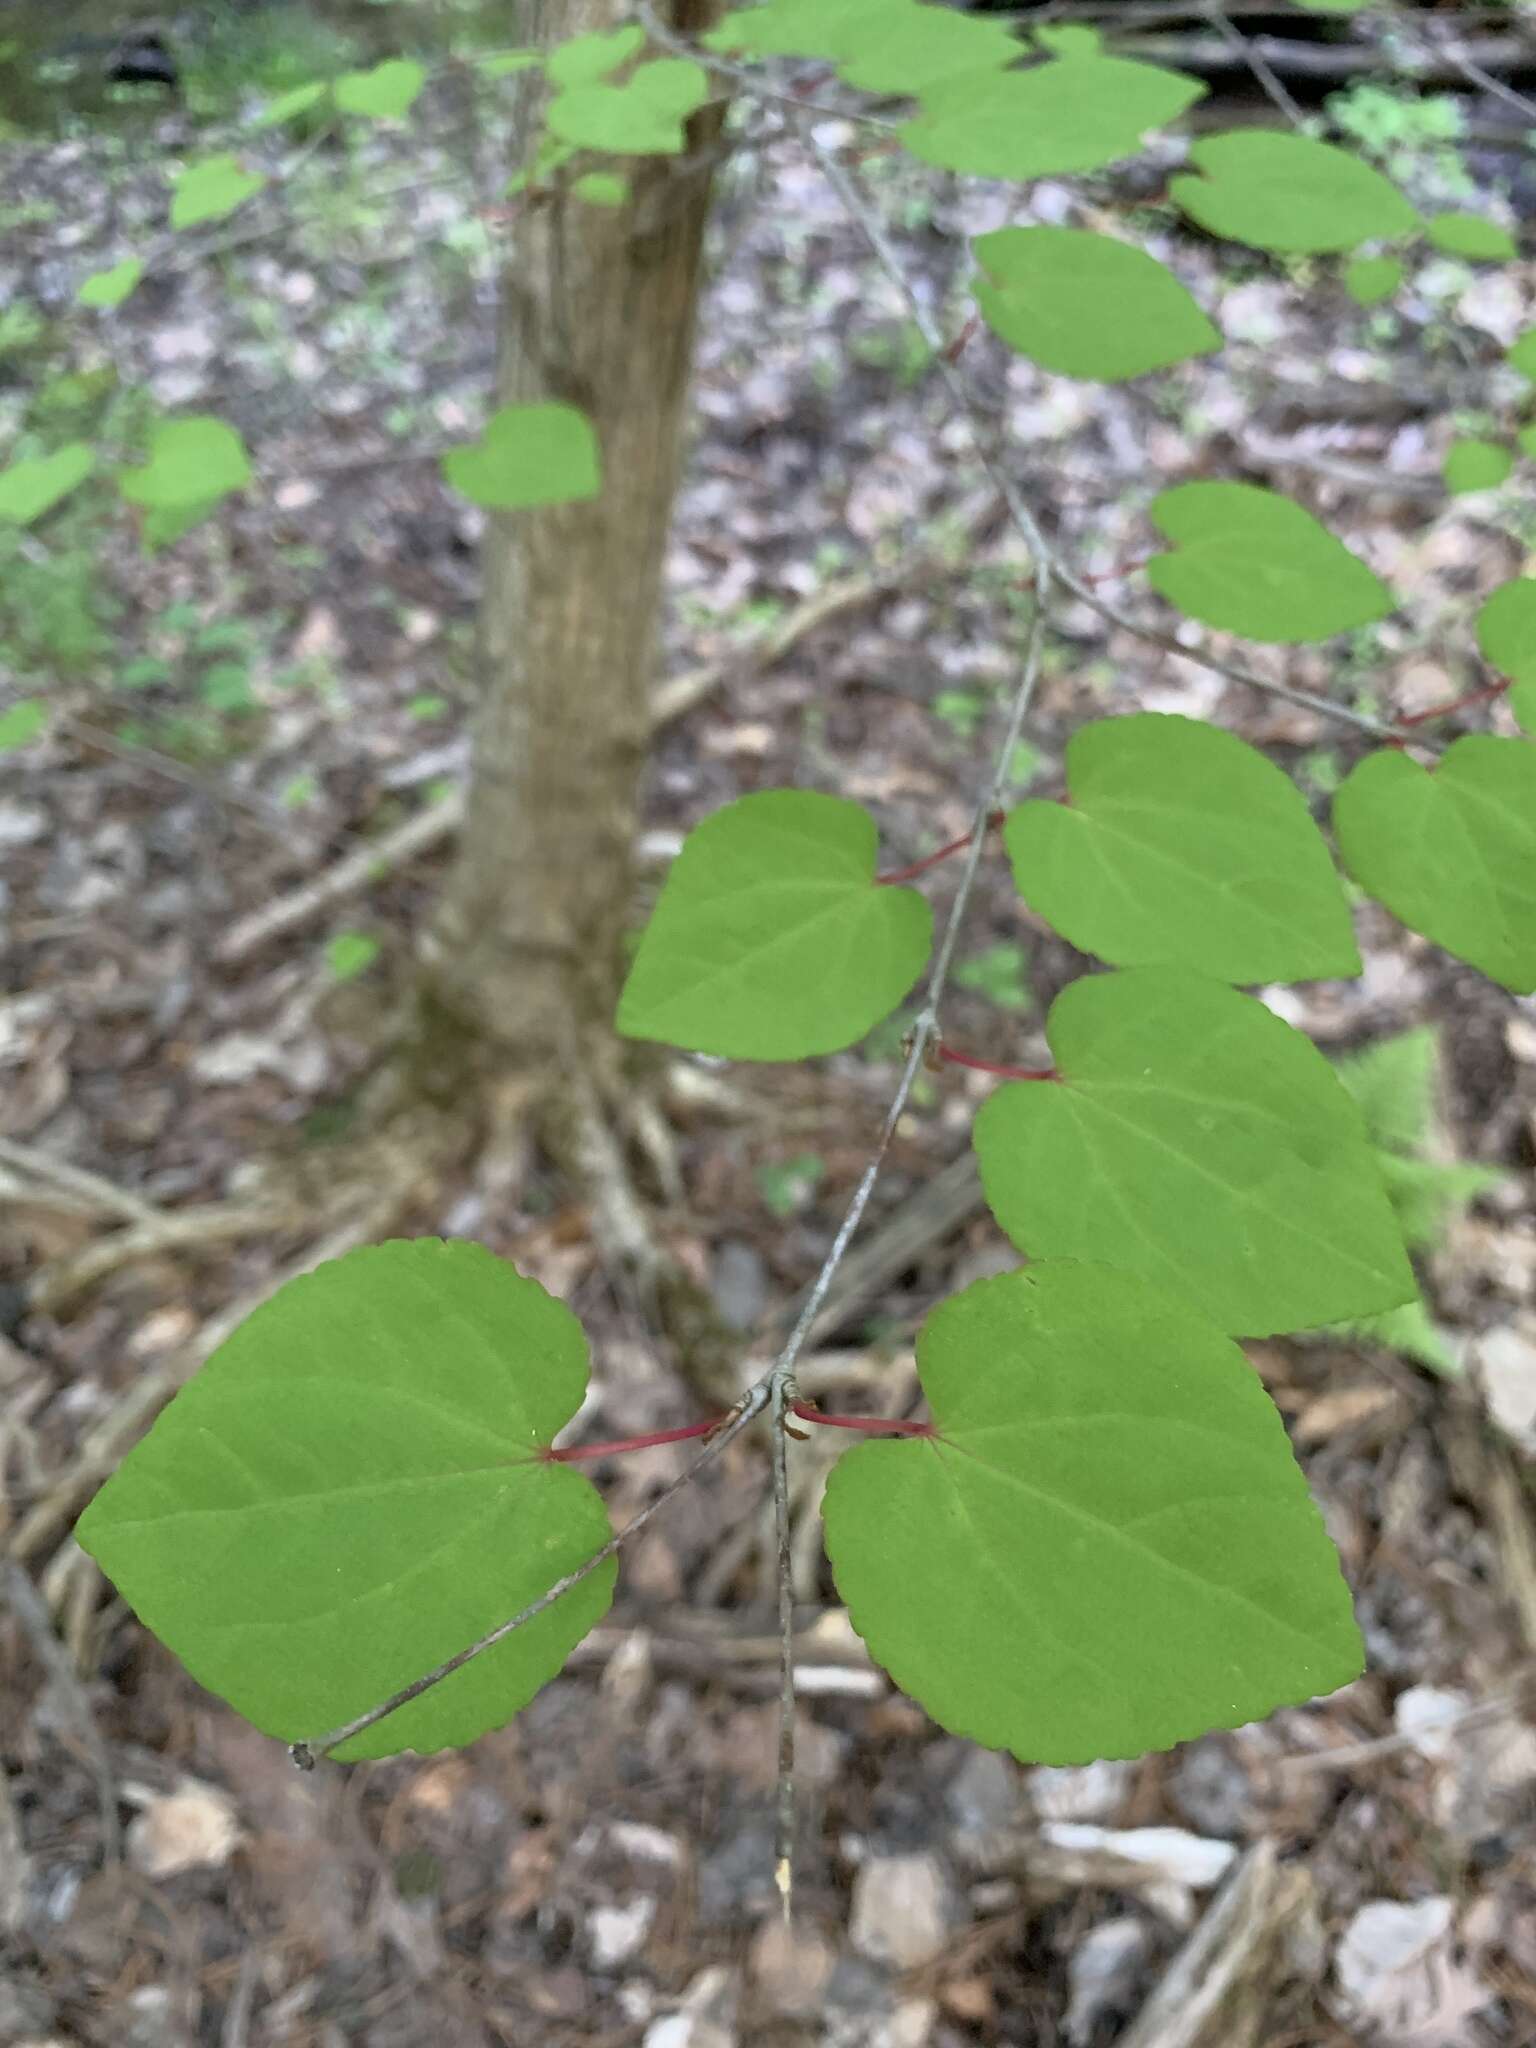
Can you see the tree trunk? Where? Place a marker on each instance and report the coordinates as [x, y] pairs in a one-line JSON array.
[[598, 309]]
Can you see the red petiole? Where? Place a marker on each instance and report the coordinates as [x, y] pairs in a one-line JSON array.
[[931, 860], [871, 1425], [949, 1057]]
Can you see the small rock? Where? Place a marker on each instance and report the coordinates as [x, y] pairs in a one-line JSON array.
[[1102, 1974], [193, 1828], [1170, 1855], [790, 1967], [1078, 1791], [985, 1791], [901, 1910], [1397, 1974], [1427, 1715], [705, 2019], [616, 1934], [1506, 1371]]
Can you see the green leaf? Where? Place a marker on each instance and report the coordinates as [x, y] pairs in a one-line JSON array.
[[1470, 235], [385, 92], [105, 288], [192, 462], [1526, 438], [1424, 1193], [771, 939], [915, 46], [803, 28], [31, 488], [1252, 562], [227, 687], [1288, 193], [585, 59], [1506, 629], [1085, 305], [1522, 356], [528, 455], [351, 1491], [601, 188], [504, 62], [1452, 853], [1522, 702], [642, 117], [1410, 1332], [1195, 1138], [1476, 466], [350, 954], [212, 189], [1108, 1548], [1069, 39], [1181, 846], [1370, 279], [164, 524], [1333, 6], [1394, 1083], [884, 46], [429, 705], [1071, 114], [21, 723], [289, 105]]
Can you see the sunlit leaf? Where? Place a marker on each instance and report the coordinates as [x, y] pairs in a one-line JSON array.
[[192, 462], [1180, 845], [1195, 1138], [1085, 305], [212, 189], [771, 939], [107, 288], [1249, 561], [1108, 1548], [642, 117], [350, 954], [1470, 235], [528, 455], [1288, 193], [583, 60], [1506, 629], [1071, 114], [289, 105], [20, 723], [385, 93], [351, 1491], [1451, 851], [1476, 466], [1370, 279], [30, 488]]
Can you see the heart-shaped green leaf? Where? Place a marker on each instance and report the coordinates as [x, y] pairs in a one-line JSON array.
[[1506, 629], [351, 1491], [1370, 279], [1086, 305], [1288, 193], [912, 47], [642, 117], [1182, 846], [771, 939], [21, 723], [1476, 466], [1252, 562], [289, 105], [107, 288], [1470, 235], [583, 60], [31, 488], [386, 92], [1522, 356], [191, 462], [1451, 852], [1071, 114], [1108, 1548], [528, 455], [1195, 1138], [212, 189]]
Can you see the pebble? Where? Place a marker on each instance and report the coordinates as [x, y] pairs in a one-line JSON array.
[[901, 1910]]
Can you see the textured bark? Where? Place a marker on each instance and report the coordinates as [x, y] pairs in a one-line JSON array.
[[598, 309]]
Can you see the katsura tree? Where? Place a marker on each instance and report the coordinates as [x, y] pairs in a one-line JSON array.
[[358, 1524]]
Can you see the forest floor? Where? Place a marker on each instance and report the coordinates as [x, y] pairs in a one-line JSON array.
[[234, 715]]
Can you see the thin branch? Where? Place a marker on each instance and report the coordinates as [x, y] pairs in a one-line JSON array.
[[90, 1188], [751, 1404], [1247, 49]]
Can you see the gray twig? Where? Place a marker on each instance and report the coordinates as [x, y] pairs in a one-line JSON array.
[[27, 1605]]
